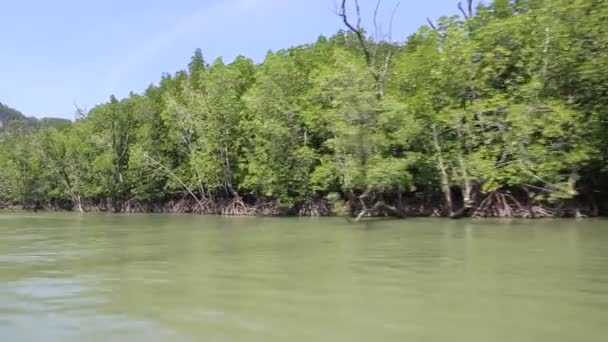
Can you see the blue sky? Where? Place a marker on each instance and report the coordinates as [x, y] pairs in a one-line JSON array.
[[61, 52]]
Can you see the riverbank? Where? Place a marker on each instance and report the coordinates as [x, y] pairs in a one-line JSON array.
[[492, 205]]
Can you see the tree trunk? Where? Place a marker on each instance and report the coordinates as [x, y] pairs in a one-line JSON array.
[[77, 200], [445, 182], [467, 191]]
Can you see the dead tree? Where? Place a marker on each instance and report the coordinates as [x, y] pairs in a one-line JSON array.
[[378, 64], [80, 113], [469, 12], [467, 185]]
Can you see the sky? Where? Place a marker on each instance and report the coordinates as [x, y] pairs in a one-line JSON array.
[[58, 54]]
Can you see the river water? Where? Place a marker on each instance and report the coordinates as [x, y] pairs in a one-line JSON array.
[[190, 278]]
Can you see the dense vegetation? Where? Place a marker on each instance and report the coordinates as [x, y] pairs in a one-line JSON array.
[[499, 112]]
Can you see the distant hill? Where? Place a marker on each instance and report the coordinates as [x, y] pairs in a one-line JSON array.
[[10, 115]]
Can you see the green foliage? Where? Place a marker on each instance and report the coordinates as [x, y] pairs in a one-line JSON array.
[[514, 97]]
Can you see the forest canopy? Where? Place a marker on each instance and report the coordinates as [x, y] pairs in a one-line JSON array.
[[500, 111]]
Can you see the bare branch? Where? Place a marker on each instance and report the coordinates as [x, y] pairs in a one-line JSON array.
[[371, 53], [377, 37], [431, 24], [390, 24], [470, 8], [377, 30], [389, 54], [379, 205], [358, 32], [81, 113], [359, 18], [466, 16]]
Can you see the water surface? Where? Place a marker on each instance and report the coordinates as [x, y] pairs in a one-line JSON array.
[[189, 278]]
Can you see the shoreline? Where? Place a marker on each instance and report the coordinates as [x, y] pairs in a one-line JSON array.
[[319, 207], [349, 219]]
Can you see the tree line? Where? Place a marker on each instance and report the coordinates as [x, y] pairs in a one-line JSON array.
[[500, 111], [13, 120]]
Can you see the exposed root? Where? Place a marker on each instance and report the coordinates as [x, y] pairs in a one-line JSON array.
[[315, 207], [236, 207], [498, 204], [354, 209]]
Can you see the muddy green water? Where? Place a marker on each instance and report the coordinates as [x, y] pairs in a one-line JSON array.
[[188, 278]]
